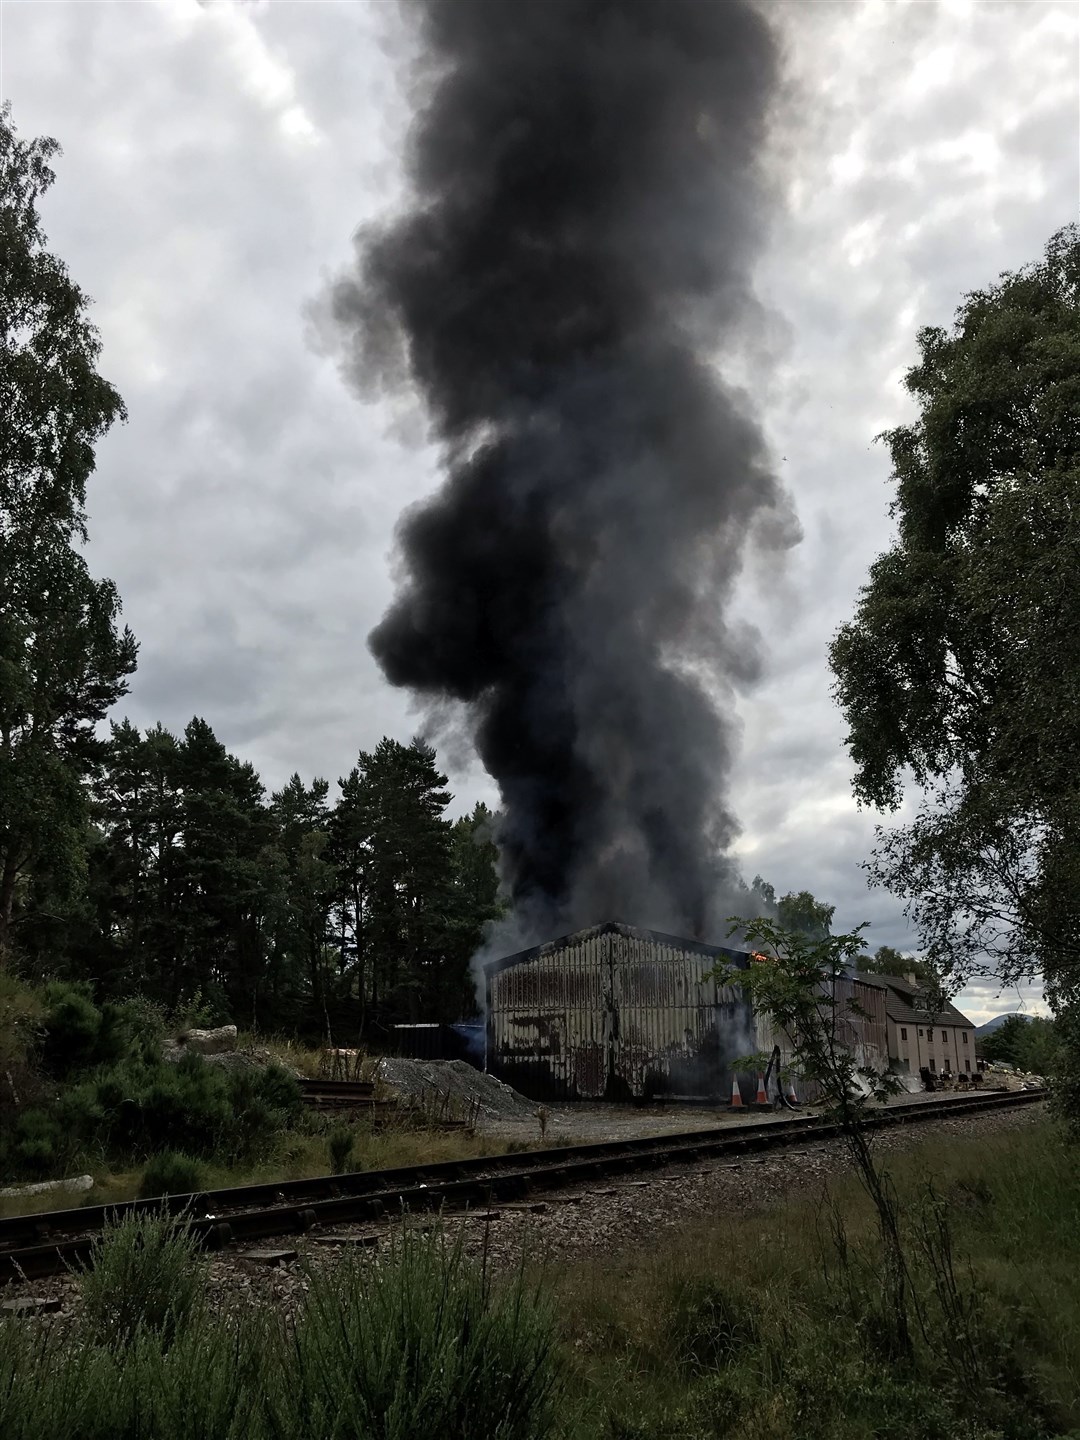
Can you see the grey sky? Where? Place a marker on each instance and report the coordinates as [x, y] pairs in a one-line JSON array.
[[218, 158]]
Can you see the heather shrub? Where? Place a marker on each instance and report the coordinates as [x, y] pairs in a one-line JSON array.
[[207, 1384], [146, 1274], [339, 1142], [171, 1173], [421, 1343]]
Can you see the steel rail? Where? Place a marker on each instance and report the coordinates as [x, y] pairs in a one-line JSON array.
[[48, 1243]]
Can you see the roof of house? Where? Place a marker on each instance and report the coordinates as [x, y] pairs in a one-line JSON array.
[[905, 1003]]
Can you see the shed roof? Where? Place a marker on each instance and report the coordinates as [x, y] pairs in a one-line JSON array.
[[633, 932], [905, 1003]]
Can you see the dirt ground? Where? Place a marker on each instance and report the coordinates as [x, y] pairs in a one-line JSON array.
[[585, 1123]]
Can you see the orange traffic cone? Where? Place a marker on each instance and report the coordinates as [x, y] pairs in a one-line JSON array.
[[736, 1093], [793, 1099], [762, 1094]]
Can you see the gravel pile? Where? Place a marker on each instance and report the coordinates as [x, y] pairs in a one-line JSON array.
[[417, 1079]]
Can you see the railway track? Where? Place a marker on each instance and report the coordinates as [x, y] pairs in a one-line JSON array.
[[32, 1246]]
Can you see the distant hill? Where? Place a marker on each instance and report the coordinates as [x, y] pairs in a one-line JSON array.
[[997, 1022]]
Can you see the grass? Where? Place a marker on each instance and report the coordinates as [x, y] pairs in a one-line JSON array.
[[754, 1326], [762, 1325], [295, 1155], [420, 1343]]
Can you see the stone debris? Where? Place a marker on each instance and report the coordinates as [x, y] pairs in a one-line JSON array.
[[350, 1242], [74, 1185], [30, 1305], [267, 1257], [210, 1042]]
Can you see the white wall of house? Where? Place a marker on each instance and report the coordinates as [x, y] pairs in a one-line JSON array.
[[941, 1048]]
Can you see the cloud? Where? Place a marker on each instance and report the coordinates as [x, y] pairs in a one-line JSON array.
[[217, 161]]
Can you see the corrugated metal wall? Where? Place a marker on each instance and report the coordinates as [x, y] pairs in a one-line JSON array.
[[615, 1012], [864, 1031]]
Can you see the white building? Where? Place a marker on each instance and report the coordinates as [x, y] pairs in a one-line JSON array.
[[942, 1042]]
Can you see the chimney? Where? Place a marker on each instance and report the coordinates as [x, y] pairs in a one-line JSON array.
[[911, 981]]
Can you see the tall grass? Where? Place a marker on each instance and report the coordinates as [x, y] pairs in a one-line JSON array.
[[416, 1344], [773, 1323]]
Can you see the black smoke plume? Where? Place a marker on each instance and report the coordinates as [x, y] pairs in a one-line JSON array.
[[587, 200]]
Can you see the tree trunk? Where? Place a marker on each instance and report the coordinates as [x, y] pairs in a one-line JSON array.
[[7, 905]]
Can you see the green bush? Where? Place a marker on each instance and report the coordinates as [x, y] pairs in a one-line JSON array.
[[72, 1025], [171, 1173], [34, 1145], [136, 1109], [340, 1145], [262, 1102], [420, 1344], [146, 1274]]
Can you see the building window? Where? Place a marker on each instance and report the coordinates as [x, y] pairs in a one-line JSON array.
[[945, 1036], [932, 1065], [965, 1036], [920, 1034], [903, 1034]]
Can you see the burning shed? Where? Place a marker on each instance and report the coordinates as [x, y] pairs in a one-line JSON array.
[[616, 1012]]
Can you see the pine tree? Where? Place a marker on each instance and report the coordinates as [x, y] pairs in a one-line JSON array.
[[218, 873], [308, 882], [409, 879], [476, 903]]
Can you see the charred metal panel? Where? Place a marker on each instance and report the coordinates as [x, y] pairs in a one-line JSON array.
[[861, 1023], [859, 1020], [614, 1012]]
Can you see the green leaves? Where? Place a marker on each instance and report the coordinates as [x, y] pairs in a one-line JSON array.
[[63, 662], [961, 667]]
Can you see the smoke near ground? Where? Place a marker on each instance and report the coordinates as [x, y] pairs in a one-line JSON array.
[[586, 203]]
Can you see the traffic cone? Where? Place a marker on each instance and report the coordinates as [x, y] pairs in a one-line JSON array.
[[793, 1099], [762, 1093], [736, 1094]]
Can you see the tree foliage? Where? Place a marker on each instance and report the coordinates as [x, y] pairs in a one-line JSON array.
[[289, 910], [886, 960], [1030, 1042], [802, 913], [63, 661], [960, 668]]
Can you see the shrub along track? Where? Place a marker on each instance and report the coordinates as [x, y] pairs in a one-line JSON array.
[[49, 1243]]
